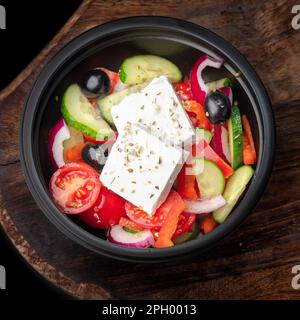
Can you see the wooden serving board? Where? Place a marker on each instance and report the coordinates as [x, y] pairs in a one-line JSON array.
[[256, 260]]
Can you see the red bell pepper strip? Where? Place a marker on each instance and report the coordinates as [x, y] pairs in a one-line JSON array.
[[186, 185], [249, 153], [203, 149], [196, 110], [175, 206], [74, 154], [208, 224]]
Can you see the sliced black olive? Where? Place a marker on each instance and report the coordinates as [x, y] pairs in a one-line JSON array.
[[95, 156], [217, 107], [95, 84]]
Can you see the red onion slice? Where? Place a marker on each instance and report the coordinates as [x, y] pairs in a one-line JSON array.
[[206, 206], [58, 135], [143, 239], [220, 142], [198, 86], [120, 86]]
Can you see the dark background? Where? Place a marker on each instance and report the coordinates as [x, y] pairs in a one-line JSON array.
[[30, 26]]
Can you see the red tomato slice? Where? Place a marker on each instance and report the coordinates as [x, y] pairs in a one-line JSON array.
[[185, 223], [111, 140], [75, 187], [183, 90], [155, 221], [107, 211], [141, 218], [124, 222], [93, 102]]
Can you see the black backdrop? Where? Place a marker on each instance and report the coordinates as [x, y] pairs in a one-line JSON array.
[[30, 26]]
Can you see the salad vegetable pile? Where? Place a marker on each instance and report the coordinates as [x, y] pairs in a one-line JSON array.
[[154, 158]]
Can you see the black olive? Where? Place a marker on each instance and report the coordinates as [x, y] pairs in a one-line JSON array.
[[95, 156], [217, 107], [95, 84]]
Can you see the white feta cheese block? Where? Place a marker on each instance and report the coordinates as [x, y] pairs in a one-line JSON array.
[[158, 109], [141, 168]]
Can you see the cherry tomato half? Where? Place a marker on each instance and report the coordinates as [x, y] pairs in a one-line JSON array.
[[111, 140], [155, 221], [107, 211], [185, 223], [75, 187], [142, 218]]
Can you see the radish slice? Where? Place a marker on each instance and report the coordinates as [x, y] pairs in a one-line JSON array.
[[58, 135], [206, 206], [228, 92], [141, 240], [220, 142], [198, 86]]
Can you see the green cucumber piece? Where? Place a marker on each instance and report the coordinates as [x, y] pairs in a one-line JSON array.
[[210, 178], [187, 236], [182, 238], [204, 134], [129, 230], [215, 85], [142, 68], [80, 114], [196, 230], [235, 131], [235, 187], [105, 104]]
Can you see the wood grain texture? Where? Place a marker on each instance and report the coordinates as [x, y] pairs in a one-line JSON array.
[[255, 262]]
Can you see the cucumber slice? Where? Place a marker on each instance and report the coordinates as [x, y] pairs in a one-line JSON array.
[[210, 178], [187, 236], [204, 134], [235, 131], [182, 238], [235, 186], [79, 113], [105, 104], [141, 68]]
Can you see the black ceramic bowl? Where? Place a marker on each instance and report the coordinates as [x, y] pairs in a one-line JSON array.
[[107, 45]]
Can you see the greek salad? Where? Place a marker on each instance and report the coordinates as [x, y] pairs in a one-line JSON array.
[[154, 157]]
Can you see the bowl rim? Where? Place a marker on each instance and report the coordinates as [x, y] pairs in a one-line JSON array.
[[86, 239]]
